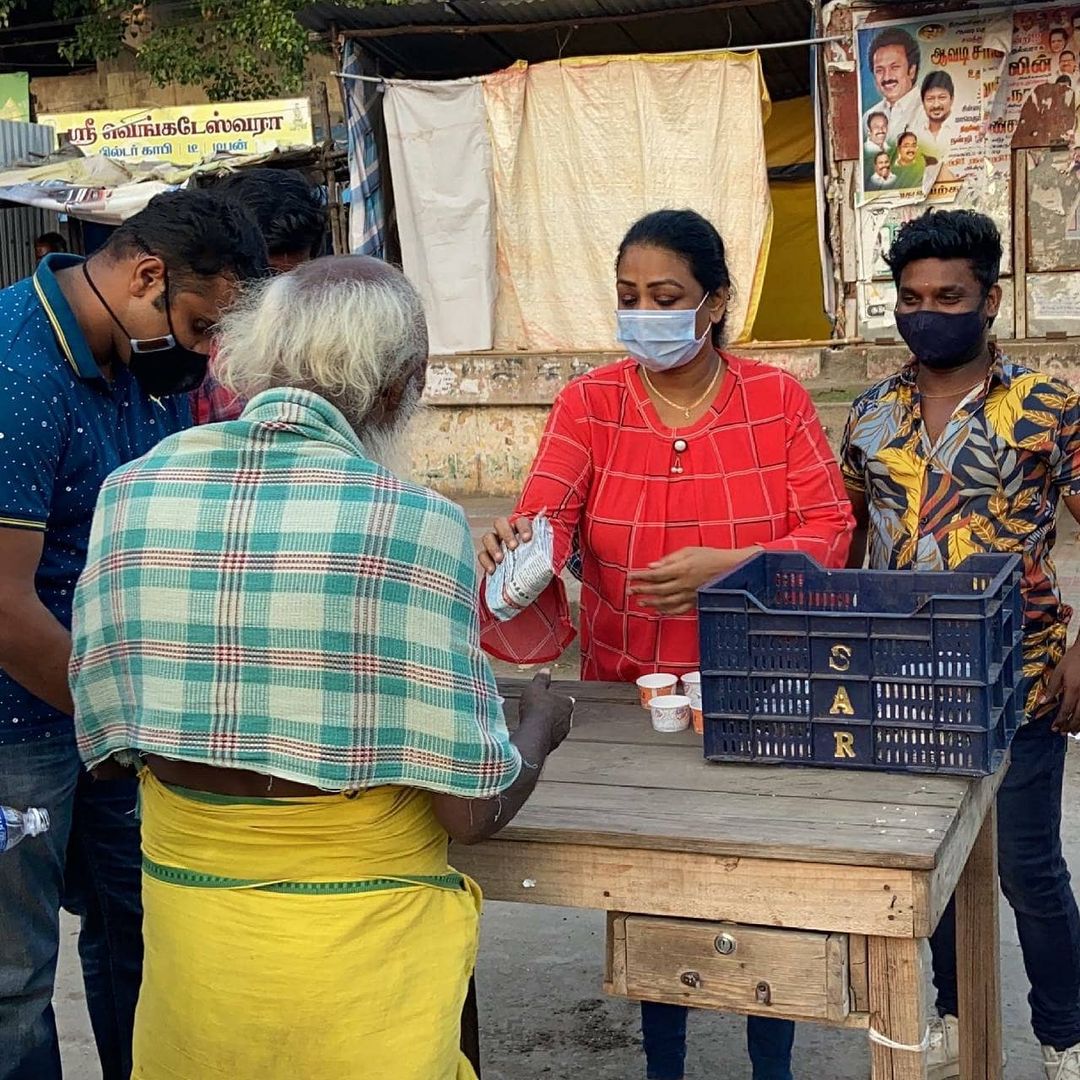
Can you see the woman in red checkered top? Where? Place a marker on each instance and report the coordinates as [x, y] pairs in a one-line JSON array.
[[659, 473]]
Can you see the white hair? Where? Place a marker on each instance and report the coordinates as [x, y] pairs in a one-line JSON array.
[[347, 339]]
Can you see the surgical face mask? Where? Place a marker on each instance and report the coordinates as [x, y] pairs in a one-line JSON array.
[[161, 365], [661, 340], [942, 341]]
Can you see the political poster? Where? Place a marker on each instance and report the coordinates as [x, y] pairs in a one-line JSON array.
[[945, 102], [1044, 78], [929, 92]]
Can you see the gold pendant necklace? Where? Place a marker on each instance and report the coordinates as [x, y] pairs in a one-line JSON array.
[[686, 410]]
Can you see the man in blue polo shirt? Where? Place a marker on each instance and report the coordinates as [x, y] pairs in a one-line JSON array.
[[97, 359]]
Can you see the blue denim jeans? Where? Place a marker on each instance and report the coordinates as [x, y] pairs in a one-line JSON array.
[[88, 862], [663, 1030], [1036, 883]]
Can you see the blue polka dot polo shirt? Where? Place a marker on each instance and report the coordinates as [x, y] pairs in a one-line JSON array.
[[63, 429]]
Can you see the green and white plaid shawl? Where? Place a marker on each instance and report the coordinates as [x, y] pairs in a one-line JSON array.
[[260, 595]]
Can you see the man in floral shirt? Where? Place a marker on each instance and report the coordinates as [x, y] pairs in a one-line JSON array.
[[964, 452]]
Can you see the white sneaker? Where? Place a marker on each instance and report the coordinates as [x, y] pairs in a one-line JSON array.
[[1062, 1064], [943, 1053]]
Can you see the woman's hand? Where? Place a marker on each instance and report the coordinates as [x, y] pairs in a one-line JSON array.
[[503, 532], [671, 584]]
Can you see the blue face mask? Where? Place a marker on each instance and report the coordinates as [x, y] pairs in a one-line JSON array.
[[661, 340]]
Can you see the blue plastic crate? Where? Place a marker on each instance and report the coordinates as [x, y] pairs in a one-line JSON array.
[[903, 670]]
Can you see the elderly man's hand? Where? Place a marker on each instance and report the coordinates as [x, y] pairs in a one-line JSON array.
[[1064, 684], [540, 704], [113, 770]]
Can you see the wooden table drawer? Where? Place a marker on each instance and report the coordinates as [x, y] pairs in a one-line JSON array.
[[752, 969]]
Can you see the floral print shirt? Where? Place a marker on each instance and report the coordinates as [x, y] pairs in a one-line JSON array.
[[991, 483]]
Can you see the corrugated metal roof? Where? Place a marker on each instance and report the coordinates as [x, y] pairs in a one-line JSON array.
[[18, 141], [683, 26], [477, 12], [21, 225]]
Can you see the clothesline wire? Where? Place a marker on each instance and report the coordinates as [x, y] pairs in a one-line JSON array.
[[733, 48]]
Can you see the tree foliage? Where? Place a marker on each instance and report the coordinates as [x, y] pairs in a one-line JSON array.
[[235, 50]]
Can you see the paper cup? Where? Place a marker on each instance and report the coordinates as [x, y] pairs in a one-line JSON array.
[[691, 687], [651, 686], [670, 712]]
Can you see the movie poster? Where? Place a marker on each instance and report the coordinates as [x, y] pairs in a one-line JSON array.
[[930, 91]]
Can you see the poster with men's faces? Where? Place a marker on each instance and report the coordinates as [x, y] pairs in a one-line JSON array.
[[930, 91], [945, 99], [1044, 78]]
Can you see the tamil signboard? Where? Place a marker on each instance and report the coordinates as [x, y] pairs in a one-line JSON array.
[[186, 134]]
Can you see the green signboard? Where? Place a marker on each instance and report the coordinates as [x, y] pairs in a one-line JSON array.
[[15, 96]]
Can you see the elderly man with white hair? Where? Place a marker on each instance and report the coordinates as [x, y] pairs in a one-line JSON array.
[[280, 635]]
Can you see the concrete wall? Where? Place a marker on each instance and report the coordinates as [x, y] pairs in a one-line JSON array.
[[115, 84], [486, 412]]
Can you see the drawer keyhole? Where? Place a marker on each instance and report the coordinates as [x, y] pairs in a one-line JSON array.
[[725, 944]]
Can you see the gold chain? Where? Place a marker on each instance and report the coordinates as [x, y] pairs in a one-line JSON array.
[[955, 393], [686, 409]]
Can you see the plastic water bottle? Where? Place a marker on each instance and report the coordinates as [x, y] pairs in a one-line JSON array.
[[15, 824]]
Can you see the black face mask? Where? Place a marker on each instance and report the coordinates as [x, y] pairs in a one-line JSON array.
[[943, 341], [160, 365]]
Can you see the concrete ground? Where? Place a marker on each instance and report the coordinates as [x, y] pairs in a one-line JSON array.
[[544, 1015]]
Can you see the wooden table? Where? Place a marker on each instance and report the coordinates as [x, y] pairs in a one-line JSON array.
[[789, 892]]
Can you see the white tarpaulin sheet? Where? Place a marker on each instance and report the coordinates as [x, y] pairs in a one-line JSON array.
[[584, 147], [107, 206], [99, 189], [440, 164]]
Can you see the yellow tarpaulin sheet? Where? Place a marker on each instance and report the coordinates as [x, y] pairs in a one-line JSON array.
[[790, 308], [789, 132], [583, 147], [791, 303]]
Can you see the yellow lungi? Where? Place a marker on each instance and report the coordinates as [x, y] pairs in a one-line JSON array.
[[301, 939]]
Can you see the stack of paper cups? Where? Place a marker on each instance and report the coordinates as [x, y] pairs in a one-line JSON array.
[[692, 689]]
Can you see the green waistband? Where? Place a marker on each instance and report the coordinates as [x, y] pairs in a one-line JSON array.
[[175, 875], [212, 798]]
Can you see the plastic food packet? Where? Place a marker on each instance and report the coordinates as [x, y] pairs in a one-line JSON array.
[[523, 574]]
